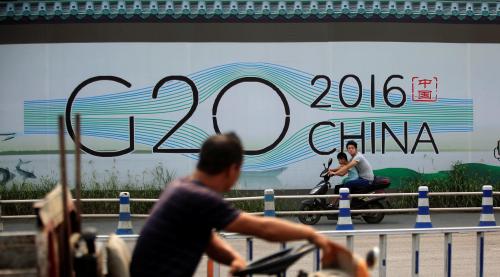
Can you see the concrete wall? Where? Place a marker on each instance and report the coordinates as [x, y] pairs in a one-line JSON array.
[[248, 32]]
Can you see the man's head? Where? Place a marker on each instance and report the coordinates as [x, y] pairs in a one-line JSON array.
[[342, 158], [352, 147], [222, 155]]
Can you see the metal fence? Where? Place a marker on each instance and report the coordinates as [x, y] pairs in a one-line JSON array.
[[276, 197], [383, 234], [416, 254], [269, 198]]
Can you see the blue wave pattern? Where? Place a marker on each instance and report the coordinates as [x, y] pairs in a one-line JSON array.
[[105, 116]]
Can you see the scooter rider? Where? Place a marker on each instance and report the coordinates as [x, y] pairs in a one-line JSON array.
[[182, 224], [362, 165]]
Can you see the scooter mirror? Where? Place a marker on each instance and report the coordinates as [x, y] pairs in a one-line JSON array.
[[330, 162]]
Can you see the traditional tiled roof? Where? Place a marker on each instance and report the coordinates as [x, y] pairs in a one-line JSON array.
[[270, 10]]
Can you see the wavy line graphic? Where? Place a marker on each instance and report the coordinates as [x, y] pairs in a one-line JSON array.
[[444, 116]]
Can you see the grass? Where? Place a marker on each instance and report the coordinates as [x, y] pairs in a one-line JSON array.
[[30, 191], [459, 178], [109, 187], [402, 177], [258, 205]]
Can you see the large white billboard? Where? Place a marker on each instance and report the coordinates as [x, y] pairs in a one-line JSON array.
[[412, 107]]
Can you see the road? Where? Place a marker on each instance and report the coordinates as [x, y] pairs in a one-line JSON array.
[[399, 247], [108, 225]]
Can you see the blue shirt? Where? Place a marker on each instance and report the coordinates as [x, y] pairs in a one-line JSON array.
[[352, 174]]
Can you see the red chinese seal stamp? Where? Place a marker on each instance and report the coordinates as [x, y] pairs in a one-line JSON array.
[[424, 90]]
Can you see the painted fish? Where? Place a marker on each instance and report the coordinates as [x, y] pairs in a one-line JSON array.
[[23, 173]]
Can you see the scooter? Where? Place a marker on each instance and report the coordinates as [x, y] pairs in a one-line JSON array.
[[344, 264], [363, 203]]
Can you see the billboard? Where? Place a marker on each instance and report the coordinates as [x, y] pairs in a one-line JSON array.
[[412, 107]]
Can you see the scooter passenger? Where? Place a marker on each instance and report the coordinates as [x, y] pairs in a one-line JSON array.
[[352, 173]]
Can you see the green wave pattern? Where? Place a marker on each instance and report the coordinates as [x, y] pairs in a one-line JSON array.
[[106, 116]]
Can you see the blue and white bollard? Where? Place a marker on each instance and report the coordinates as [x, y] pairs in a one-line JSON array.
[[124, 221], [423, 214], [269, 209], [344, 222], [487, 215]]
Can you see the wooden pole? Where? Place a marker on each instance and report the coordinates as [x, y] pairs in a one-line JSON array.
[[78, 184], [65, 257]]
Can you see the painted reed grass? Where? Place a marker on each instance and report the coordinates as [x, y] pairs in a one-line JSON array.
[[108, 187], [458, 179]]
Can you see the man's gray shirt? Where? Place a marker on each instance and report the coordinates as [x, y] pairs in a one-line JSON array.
[[364, 168]]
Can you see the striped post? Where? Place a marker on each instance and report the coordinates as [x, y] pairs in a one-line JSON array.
[[382, 267], [480, 254], [344, 222], [415, 256], [249, 251], [124, 220], [423, 215], [316, 260], [447, 254], [269, 203], [487, 216]]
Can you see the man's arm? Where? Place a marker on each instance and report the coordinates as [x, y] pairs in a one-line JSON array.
[[223, 253], [278, 230], [337, 172], [270, 229], [343, 170], [335, 169]]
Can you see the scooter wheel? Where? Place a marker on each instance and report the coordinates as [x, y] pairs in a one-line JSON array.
[[374, 218], [309, 219]]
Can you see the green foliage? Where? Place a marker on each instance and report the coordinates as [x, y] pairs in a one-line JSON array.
[[109, 187], [254, 206], [249, 206], [459, 179]]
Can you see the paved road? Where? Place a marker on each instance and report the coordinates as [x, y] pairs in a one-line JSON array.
[[399, 247], [108, 225]]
